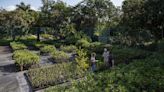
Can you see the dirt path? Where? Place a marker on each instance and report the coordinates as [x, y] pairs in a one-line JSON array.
[[8, 80]]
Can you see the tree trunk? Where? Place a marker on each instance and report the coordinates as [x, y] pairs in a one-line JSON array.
[[13, 36], [38, 34]]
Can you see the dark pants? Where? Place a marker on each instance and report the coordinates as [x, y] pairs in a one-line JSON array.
[[110, 62]]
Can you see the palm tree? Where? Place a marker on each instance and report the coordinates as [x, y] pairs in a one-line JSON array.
[[23, 7]]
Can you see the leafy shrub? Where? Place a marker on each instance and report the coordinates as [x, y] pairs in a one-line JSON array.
[[47, 36], [55, 74], [39, 45], [24, 58], [60, 56], [125, 55], [48, 49], [68, 49], [29, 37], [95, 44], [18, 46], [82, 59], [141, 75], [83, 43], [5, 42], [73, 38]]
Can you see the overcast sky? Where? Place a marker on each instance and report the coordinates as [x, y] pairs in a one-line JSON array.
[[35, 4]]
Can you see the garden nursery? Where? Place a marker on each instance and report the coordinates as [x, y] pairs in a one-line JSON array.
[[90, 46]]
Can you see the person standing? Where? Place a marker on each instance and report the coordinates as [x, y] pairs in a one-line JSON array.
[[106, 57], [110, 59], [93, 62]]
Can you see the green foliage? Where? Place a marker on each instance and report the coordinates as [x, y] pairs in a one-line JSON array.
[[18, 46], [29, 37], [17, 22], [120, 54], [141, 75], [95, 44], [83, 43], [142, 19], [95, 10], [39, 45], [48, 49], [5, 42], [25, 57], [161, 46], [82, 59], [47, 36], [55, 74], [69, 49], [124, 55], [60, 57]]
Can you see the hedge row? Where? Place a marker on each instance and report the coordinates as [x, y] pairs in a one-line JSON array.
[[25, 58], [59, 56], [55, 74], [125, 55], [69, 49], [47, 49], [17, 46]]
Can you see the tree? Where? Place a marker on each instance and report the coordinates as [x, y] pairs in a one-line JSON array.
[[89, 13], [142, 20], [154, 20], [17, 22]]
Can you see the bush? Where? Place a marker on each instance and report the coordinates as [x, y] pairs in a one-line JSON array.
[[60, 56], [47, 36], [17, 46], [47, 49], [68, 49], [125, 55], [83, 43], [55, 74], [144, 75], [39, 45], [82, 59], [29, 37], [25, 58], [95, 44]]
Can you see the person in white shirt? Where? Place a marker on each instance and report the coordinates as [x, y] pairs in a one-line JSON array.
[[106, 57], [93, 62]]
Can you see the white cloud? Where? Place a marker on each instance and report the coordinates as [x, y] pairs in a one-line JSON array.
[[117, 2], [34, 8], [10, 8]]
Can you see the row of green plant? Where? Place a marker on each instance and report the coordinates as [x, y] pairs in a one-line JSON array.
[[68, 49], [25, 58], [59, 57], [144, 75], [56, 55], [55, 74], [47, 36], [48, 49], [17, 46]]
